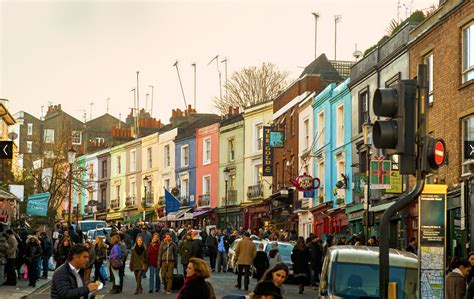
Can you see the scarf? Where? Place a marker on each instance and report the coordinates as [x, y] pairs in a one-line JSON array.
[[189, 280], [139, 249]]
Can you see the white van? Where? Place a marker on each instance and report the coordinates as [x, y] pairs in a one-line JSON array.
[[87, 225], [353, 272]]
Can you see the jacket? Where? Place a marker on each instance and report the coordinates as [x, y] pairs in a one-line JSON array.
[[64, 284], [226, 242], [100, 253], [300, 259], [470, 290], [261, 262], [32, 251], [184, 249], [167, 253], [194, 288], [211, 243], [3, 249], [47, 246], [316, 256], [12, 247], [115, 253], [245, 252], [92, 258], [152, 254], [61, 255], [196, 249], [137, 260], [455, 286]]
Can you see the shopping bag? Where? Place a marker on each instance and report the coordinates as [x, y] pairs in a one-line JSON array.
[[104, 273], [51, 264], [25, 273]]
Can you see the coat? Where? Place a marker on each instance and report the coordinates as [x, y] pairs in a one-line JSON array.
[[245, 252], [61, 255], [261, 262], [47, 246], [211, 243], [12, 247], [167, 253], [300, 259], [138, 260], [152, 254], [3, 249], [100, 253], [32, 252], [64, 284], [455, 286], [470, 290], [196, 249], [194, 288], [184, 249], [316, 256]]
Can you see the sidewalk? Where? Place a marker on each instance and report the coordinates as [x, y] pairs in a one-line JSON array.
[[22, 289]]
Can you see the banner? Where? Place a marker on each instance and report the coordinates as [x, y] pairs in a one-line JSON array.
[[396, 185], [432, 242], [172, 204], [380, 171], [38, 204], [267, 153]]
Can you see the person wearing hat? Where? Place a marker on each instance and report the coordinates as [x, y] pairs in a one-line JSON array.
[[274, 256]]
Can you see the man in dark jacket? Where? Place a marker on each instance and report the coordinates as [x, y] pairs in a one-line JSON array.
[[456, 281], [196, 246], [212, 248], [316, 263], [412, 246], [47, 247], [67, 282]]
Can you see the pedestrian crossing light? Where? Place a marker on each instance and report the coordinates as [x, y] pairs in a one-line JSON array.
[[396, 132]]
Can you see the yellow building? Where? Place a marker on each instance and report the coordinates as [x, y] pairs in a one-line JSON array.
[[6, 120]]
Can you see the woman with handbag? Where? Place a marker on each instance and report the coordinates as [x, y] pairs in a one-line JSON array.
[[116, 263], [138, 263], [100, 254]]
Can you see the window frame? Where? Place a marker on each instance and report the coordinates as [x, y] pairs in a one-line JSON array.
[[48, 136], [363, 98], [149, 157], [306, 133], [184, 149], [167, 158], [258, 139], [104, 168], [206, 151], [465, 72], [29, 129], [321, 133], [464, 164], [231, 149], [118, 160], [133, 160], [76, 139], [29, 147], [428, 59], [340, 125], [204, 186]]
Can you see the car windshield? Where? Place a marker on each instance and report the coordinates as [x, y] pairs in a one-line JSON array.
[[98, 233], [86, 226], [284, 249], [351, 280]]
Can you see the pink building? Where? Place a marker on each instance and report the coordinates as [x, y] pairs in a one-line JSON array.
[[207, 166]]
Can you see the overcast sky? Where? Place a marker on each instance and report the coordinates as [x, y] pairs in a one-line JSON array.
[[77, 52]]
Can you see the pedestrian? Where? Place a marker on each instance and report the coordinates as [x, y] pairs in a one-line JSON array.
[[456, 281], [100, 251], [300, 256], [124, 255], [412, 246], [261, 262], [67, 280], [138, 263], [245, 254], [152, 260], [167, 261], [316, 263], [116, 263], [62, 253], [211, 244], [266, 290], [222, 251], [90, 264], [47, 247], [196, 246], [184, 249], [3, 254], [195, 285], [11, 257], [274, 256], [32, 254], [278, 274]]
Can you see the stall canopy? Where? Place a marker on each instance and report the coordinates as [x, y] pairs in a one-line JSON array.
[[176, 216], [137, 217], [199, 213]]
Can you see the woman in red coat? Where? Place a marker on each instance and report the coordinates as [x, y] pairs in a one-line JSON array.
[[152, 259]]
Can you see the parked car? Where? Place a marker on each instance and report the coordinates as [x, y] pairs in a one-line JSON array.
[[98, 232], [285, 249], [231, 264], [352, 272]]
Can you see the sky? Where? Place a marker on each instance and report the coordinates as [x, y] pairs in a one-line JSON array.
[[75, 53]]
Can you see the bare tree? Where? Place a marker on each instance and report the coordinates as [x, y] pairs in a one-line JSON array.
[[252, 85]]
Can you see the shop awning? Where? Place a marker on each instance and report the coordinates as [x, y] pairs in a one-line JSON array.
[[199, 213], [180, 213], [170, 217], [381, 207], [137, 217], [7, 195]]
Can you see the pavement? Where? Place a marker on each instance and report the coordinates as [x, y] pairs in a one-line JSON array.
[[22, 290]]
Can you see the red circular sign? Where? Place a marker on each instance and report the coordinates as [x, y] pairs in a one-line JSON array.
[[439, 152]]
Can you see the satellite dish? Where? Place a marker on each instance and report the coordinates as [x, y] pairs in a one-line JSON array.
[[357, 54], [12, 135]]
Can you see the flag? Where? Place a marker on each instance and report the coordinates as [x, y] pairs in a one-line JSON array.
[[172, 204]]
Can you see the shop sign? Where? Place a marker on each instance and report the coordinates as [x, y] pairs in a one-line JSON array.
[[355, 215], [360, 181], [305, 182], [38, 204], [395, 182], [380, 171], [267, 153]]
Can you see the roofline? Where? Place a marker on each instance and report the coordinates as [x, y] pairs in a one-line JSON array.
[[6, 114]]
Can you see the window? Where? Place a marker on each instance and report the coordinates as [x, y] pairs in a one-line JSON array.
[[76, 137], [167, 156], [232, 181], [363, 109], [30, 129], [117, 192], [320, 129], [259, 137], [363, 162], [91, 171], [149, 157], [306, 133], [468, 53], [166, 184], [91, 194], [468, 135], [257, 174], [29, 147], [103, 197], [231, 150], [48, 136], [340, 125], [184, 155], [429, 62], [184, 188], [207, 151], [206, 184], [321, 178], [133, 160], [104, 168], [119, 165], [133, 187]]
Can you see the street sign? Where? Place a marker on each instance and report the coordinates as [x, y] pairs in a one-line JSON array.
[[6, 150], [439, 152]]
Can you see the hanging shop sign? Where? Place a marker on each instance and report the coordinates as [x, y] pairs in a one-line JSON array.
[[380, 171], [277, 139], [305, 182], [267, 153], [38, 204], [395, 182]]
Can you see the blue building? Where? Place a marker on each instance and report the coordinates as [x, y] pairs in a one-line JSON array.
[[333, 158]]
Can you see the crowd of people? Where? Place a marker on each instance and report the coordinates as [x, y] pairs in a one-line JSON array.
[[460, 278]]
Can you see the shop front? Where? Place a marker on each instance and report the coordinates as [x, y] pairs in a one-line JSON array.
[[338, 224], [456, 223], [234, 217], [321, 219], [355, 218], [255, 215], [113, 218], [203, 218], [305, 223]]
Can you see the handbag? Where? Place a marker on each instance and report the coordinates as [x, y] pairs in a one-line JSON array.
[[144, 267], [116, 264]]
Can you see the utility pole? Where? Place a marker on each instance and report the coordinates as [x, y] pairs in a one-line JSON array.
[[220, 76], [138, 108], [194, 66], [337, 19], [90, 115], [316, 16], [225, 66], [181, 84], [146, 101]]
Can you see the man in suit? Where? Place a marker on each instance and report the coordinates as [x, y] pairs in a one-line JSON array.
[[67, 282]]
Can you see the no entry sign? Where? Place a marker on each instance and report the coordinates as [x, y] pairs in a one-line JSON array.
[[439, 152]]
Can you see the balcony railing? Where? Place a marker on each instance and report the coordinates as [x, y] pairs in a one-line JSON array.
[[130, 202], [255, 191], [161, 201], [101, 206], [231, 198], [204, 200], [148, 199], [115, 203]]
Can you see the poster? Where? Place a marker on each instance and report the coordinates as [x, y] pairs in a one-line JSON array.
[[395, 182]]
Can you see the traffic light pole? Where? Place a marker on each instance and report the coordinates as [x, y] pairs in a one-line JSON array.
[[406, 200]]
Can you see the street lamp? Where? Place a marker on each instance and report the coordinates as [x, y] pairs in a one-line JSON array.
[[71, 156], [146, 179], [226, 178]]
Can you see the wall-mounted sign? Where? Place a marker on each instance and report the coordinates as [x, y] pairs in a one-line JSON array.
[[267, 153], [380, 171], [395, 182], [360, 181], [305, 182], [468, 149], [277, 139]]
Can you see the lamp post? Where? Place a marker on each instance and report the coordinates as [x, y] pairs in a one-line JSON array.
[[71, 156], [226, 178], [366, 128], [146, 179]]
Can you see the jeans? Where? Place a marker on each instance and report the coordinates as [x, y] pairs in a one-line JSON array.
[[38, 266], [221, 261], [314, 276], [115, 272], [212, 259], [2, 274], [11, 273], [243, 268], [46, 265], [167, 274], [32, 272], [97, 275], [154, 279]]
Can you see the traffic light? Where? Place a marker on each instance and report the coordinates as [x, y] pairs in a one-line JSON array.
[[433, 154], [397, 133]]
